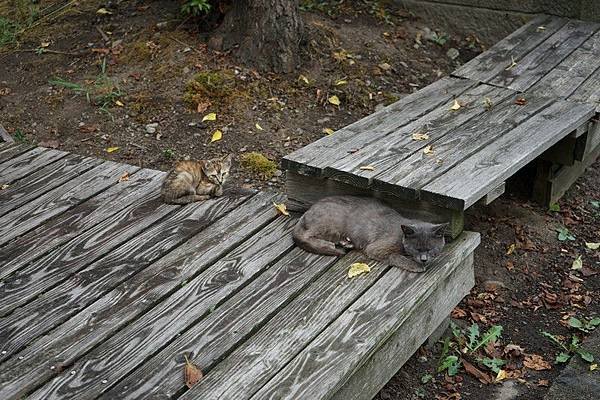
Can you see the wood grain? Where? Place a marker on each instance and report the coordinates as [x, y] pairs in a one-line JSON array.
[[56, 305], [11, 150], [322, 367], [588, 91], [31, 367], [44, 180], [475, 176], [27, 163]]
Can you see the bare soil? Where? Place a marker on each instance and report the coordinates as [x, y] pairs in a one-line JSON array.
[[91, 84]]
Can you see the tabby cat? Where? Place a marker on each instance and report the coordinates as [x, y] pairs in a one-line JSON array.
[[192, 181], [336, 224]]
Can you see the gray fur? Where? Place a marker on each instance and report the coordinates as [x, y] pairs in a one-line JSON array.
[[339, 223]]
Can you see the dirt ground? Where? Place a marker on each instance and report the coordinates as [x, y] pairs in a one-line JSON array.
[[133, 84]]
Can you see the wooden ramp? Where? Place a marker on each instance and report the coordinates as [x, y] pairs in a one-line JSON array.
[[104, 291], [532, 96]]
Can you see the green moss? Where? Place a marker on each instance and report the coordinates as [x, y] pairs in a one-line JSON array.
[[210, 85], [257, 164], [389, 98]]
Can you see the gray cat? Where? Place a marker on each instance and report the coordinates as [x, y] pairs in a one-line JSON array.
[[336, 224]]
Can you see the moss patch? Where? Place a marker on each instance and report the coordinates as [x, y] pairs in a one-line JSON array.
[[209, 85], [259, 165]]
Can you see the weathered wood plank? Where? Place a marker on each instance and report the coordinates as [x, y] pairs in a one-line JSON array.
[[28, 163], [312, 159], [366, 382], [494, 194], [563, 152], [588, 91], [11, 150], [406, 178], [322, 367], [541, 60], [567, 76], [31, 367], [74, 222], [56, 201], [393, 148], [56, 305], [261, 356], [493, 61], [466, 183], [56, 266], [4, 136], [44, 180]]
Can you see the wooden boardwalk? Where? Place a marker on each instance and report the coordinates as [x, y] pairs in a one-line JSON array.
[[104, 290]]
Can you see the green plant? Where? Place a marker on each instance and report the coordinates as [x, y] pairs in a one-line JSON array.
[[554, 207], [19, 137], [448, 362], [584, 325], [8, 31], [574, 347], [169, 153], [196, 7], [564, 234]]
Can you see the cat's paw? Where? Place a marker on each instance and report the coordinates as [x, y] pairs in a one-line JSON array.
[[218, 191], [346, 244]]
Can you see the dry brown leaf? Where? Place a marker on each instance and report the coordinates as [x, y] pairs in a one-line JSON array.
[[477, 373], [203, 106], [191, 373], [124, 177], [428, 149], [456, 105], [458, 313], [88, 128], [281, 208], [521, 101], [53, 144], [367, 168], [536, 362], [543, 382]]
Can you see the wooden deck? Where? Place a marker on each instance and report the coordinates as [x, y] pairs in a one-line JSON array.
[[534, 90], [103, 290]]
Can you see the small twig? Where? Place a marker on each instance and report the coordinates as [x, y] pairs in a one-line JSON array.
[[65, 53], [86, 139], [139, 146], [185, 44], [104, 35]]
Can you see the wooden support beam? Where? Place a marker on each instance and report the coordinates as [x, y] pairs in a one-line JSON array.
[[494, 194], [4, 136]]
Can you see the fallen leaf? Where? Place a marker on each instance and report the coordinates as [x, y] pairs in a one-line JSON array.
[[428, 149], [112, 149], [88, 128], [511, 249], [521, 101], [340, 82], [543, 382], [304, 79], [476, 372], [458, 313], [4, 92], [334, 100], [124, 177], [209, 117], [577, 264], [218, 135], [536, 362], [384, 66], [203, 106], [487, 103], [358, 269], [593, 367], [592, 246], [103, 11], [4, 186], [500, 376], [456, 105], [191, 373], [420, 136], [281, 208], [44, 44], [257, 126], [540, 28], [119, 103], [513, 349], [328, 131], [367, 168], [513, 64]]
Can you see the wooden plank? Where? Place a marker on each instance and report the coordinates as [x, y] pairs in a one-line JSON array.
[[475, 176], [322, 367], [385, 362], [4, 136], [406, 178], [28, 163], [31, 367], [35, 185], [533, 66], [562, 152], [63, 301], [74, 222], [303, 191], [392, 149], [56, 201], [494, 194], [8, 151], [493, 61], [313, 158], [588, 91], [567, 76]]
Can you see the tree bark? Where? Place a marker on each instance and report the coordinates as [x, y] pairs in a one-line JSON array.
[[266, 34]]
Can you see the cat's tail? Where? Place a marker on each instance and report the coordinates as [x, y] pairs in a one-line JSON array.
[[306, 241]]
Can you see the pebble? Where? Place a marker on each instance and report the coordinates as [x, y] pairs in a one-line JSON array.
[[21, 357], [151, 128], [452, 53]]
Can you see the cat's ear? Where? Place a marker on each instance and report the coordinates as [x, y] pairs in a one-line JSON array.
[[408, 230], [440, 229]]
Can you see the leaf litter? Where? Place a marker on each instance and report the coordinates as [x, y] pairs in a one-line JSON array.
[[192, 374]]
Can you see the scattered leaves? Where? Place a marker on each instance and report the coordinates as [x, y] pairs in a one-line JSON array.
[[476, 372], [334, 100], [577, 264], [209, 117], [420, 136], [257, 126], [521, 101], [191, 373], [217, 135], [358, 269], [428, 149], [513, 64], [328, 131], [456, 105], [124, 177], [281, 209], [592, 246], [536, 362], [367, 168], [112, 149]]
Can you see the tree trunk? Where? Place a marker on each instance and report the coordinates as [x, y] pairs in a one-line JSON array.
[[267, 33]]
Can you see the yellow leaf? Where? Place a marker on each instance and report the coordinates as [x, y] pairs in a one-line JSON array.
[[593, 367], [511, 249], [501, 375], [367, 168], [304, 79], [358, 269], [340, 82], [487, 103], [334, 100], [577, 263], [44, 44], [513, 64], [281, 209], [456, 105], [112, 149], [420, 136], [218, 135], [328, 131], [120, 104], [592, 246], [258, 127], [103, 11], [209, 117], [428, 149], [4, 186]]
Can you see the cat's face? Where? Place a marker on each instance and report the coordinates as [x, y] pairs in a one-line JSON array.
[[423, 242], [217, 169]]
